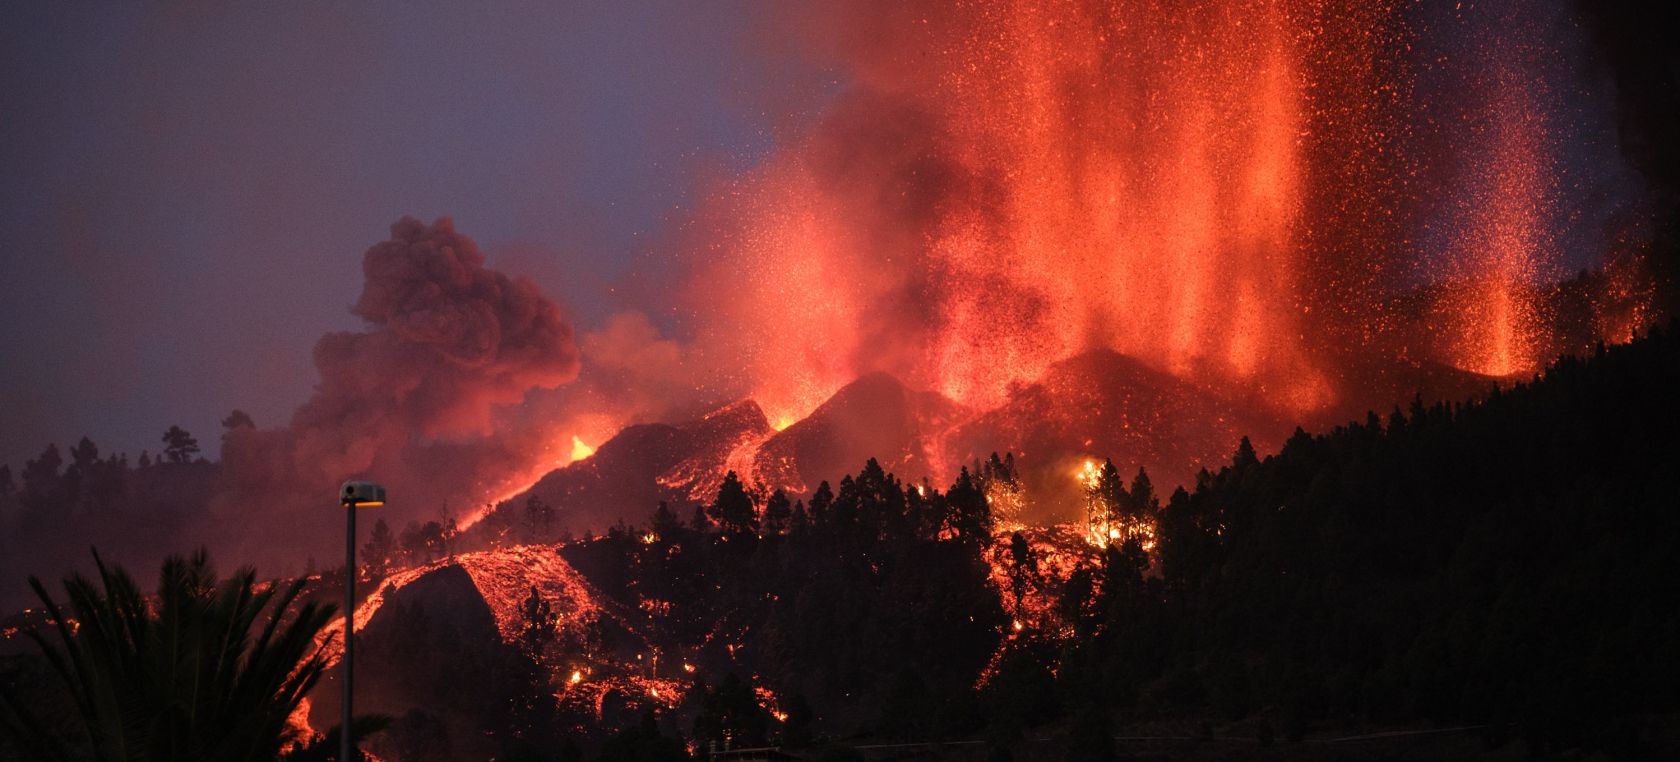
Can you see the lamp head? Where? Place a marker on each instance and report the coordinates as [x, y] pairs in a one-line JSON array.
[[357, 494]]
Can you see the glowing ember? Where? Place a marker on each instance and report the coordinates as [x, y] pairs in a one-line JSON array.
[[1494, 296]]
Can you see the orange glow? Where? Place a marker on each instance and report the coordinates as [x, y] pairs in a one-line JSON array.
[[580, 450], [1092, 183], [1492, 298]]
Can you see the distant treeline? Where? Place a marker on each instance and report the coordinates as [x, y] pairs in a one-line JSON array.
[[1508, 562]]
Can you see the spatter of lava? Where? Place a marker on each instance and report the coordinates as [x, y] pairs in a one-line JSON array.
[[1227, 190]]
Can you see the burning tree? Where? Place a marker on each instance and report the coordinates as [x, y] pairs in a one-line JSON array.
[[1114, 514], [1002, 485]]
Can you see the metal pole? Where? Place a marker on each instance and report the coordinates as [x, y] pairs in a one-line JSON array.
[[348, 742]]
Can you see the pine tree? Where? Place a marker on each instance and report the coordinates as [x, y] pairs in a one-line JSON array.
[[967, 514], [1023, 569], [42, 489], [1143, 502], [821, 501], [179, 446], [800, 521], [778, 511], [665, 524], [733, 510], [379, 548]]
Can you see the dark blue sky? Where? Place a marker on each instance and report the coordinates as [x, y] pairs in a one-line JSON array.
[[187, 191]]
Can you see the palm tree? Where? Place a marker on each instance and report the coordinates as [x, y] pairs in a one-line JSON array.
[[206, 670]]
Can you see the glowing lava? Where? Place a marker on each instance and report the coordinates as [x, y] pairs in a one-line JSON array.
[[580, 450], [1022, 182], [1492, 299], [1226, 191]]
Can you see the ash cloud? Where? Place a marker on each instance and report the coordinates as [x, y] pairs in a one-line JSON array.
[[413, 399]]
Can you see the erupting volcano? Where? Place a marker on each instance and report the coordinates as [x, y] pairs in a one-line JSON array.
[[975, 379], [1284, 213], [1227, 193]]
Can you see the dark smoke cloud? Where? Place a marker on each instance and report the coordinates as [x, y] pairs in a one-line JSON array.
[[1635, 39], [411, 401]]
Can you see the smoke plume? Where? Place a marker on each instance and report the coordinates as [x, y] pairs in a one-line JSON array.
[[412, 399]]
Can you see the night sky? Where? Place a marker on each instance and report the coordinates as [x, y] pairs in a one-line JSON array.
[[188, 190]]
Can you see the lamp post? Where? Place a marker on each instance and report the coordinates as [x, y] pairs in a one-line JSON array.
[[353, 495]]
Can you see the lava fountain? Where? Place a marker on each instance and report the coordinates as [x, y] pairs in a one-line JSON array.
[[1221, 190], [1005, 185]]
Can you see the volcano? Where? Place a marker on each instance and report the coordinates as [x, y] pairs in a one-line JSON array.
[[875, 416], [646, 463], [1102, 404], [1097, 404]]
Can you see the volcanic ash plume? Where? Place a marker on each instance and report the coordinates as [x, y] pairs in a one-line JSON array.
[[411, 399]]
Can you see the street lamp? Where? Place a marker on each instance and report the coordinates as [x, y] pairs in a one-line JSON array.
[[353, 495]]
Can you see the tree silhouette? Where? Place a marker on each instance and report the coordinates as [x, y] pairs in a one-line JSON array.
[[178, 445], [799, 521], [42, 489], [84, 455], [968, 514], [1023, 569], [643, 742], [537, 624], [1142, 500], [665, 522], [778, 511], [238, 419], [208, 669], [796, 729], [821, 501], [731, 716], [434, 539], [733, 510], [381, 545]]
